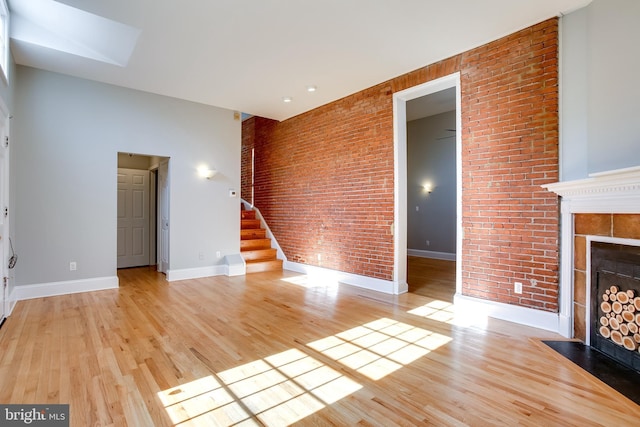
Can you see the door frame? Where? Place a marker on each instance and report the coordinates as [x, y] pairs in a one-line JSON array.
[[400, 176], [6, 279]]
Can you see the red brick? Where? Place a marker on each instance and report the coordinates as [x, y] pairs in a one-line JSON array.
[[324, 179]]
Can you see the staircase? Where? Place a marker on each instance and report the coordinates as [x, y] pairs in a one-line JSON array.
[[255, 247]]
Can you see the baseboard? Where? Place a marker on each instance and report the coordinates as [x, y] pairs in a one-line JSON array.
[[235, 265], [196, 273], [475, 308], [431, 254], [379, 285], [42, 290]]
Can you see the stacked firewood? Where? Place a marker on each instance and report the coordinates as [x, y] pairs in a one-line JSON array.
[[620, 321]]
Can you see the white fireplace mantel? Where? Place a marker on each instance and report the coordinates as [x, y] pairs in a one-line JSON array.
[[615, 192]]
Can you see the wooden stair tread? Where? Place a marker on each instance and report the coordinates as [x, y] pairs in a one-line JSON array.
[[255, 246], [261, 266], [251, 244], [253, 233], [249, 223], [259, 254], [248, 215]]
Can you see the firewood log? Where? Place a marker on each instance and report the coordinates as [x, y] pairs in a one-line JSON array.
[[614, 324], [616, 306], [616, 337], [624, 329], [629, 343], [622, 297]]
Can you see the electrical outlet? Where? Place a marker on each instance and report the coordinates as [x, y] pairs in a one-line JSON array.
[[417, 208], [200, 255], [73, 266], [428, 243], [218, 254], [517, 287]]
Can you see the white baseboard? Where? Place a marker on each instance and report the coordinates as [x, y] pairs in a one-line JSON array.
[[475, 307], [379, 285], [431, 254], [41, 290], [196, 273], [235, 265]]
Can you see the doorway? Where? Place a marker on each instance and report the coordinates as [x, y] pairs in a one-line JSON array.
[[427, 93], [143, 211]]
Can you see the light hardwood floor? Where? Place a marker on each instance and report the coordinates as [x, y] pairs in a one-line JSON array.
[[434, 278], [282, 348]]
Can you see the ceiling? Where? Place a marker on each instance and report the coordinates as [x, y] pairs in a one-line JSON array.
[[248, 55]]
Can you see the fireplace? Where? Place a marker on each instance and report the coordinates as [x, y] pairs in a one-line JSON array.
[[602, 208], [615, 302]]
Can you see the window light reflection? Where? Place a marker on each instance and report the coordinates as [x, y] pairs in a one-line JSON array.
[[277, 390], [446, 312], [440, 311], [379, 348]]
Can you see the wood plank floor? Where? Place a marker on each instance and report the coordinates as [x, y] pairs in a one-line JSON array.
[[434, 278], [281, 348]]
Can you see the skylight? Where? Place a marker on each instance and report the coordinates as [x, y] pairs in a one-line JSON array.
[[57, 26]]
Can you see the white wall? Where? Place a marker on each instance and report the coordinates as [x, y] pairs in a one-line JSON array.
[[431, 158], [67, 133], [600, 90]]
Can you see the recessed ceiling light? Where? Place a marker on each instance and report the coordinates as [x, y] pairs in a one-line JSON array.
[[286, 99], [311, 88]]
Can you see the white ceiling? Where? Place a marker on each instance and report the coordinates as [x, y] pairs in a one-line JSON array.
[[247, 55]]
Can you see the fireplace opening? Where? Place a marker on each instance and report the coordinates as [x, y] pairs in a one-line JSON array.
[[615, 302]]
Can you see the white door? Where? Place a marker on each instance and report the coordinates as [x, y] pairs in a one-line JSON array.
[[133, 218], [163, 217]]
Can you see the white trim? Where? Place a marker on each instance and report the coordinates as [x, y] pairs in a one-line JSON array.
[[196, 273], [594, 194], [42, 290], [399, 226], [11, 303], [479, 309], [334, 276], [274, 242], [447, 256], [235, 265]]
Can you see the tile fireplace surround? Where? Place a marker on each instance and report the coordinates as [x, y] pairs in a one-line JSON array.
[[606, 208]]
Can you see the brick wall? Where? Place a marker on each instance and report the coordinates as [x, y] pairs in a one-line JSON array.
[[324, 179]]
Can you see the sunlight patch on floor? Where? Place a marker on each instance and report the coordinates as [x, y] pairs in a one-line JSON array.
[[441, 311], [446, 312], [379, 348], [316, 279], [279, 390]]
